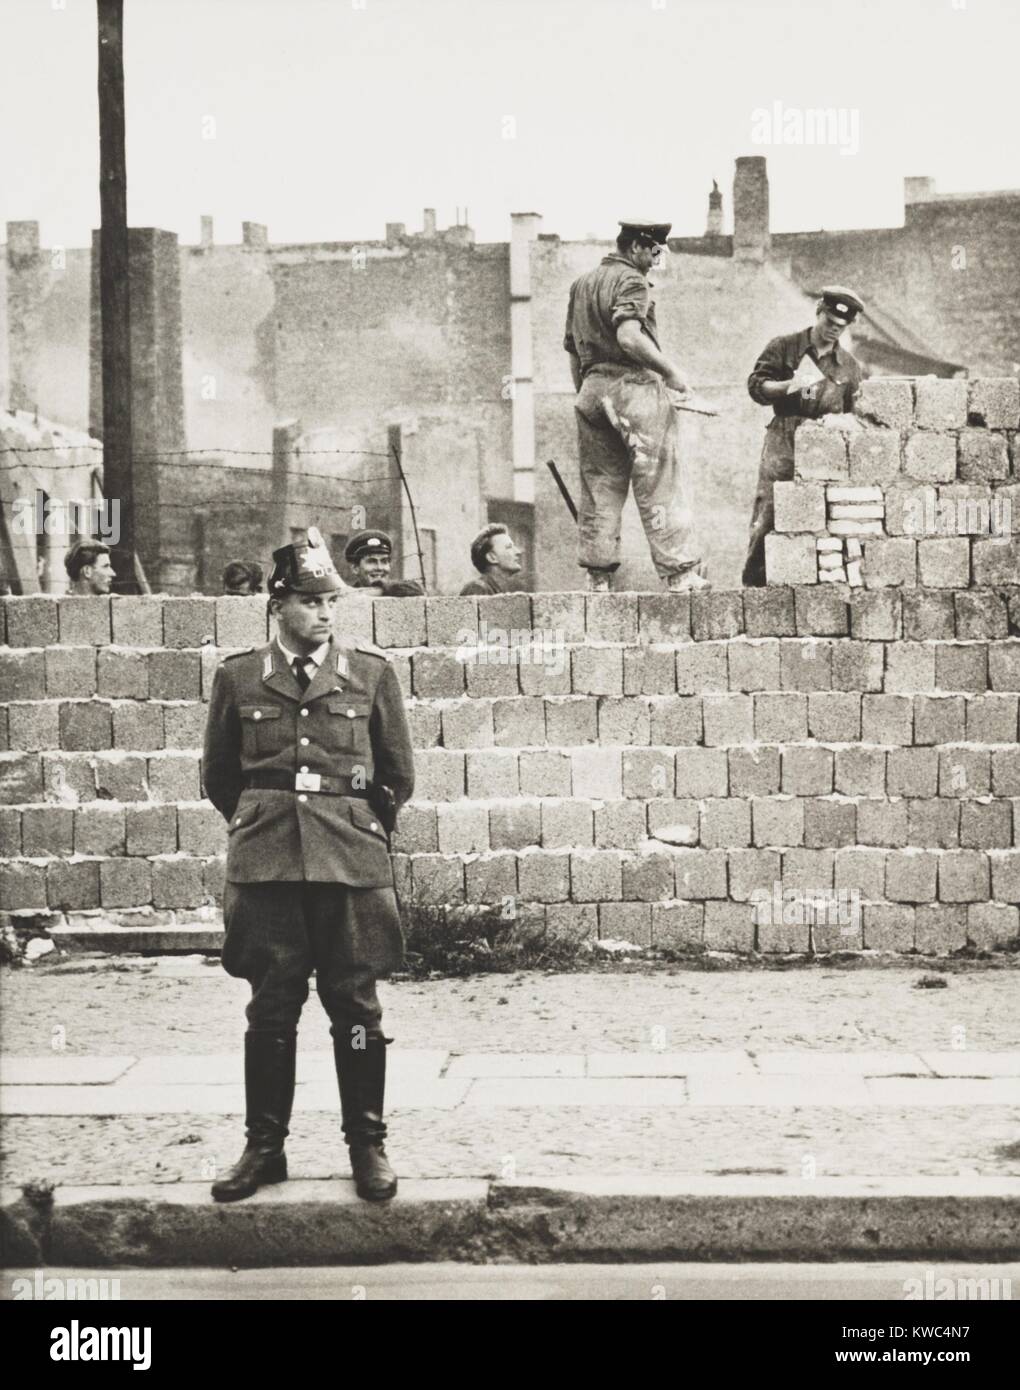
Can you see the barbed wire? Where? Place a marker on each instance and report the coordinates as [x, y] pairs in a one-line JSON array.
[[176, 458]]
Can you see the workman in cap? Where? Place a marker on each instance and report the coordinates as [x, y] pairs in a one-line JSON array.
[[308, 758], [627, 427], [370, 555], [802, 376]]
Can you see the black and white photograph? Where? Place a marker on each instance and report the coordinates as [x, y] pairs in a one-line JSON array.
[[510, 669]]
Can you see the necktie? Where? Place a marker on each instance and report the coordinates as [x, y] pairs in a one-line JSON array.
[[301, 675]]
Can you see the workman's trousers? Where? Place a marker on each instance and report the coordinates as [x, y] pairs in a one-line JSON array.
[[776, 466], [278, 933], [628, 435]]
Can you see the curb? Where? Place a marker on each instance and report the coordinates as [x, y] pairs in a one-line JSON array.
[[530, 1220]]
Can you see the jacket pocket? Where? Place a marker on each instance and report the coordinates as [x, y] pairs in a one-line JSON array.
[[349, 725], [244, 815], [365, 818], [260, 734]]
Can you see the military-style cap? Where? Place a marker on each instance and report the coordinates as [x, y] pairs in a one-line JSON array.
[[304, 568], [654, 231], [367, 543], [842, 303]]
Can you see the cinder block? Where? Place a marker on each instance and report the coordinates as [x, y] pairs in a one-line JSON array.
[[505, 612], [934, 823], [889, 928], [596, 875], [138, 726], [544, 669], [701, 667], [700, 873], [699, 772], [241, 621], [911, 876], [778, 821], [22, 676], [71, 672], [85, 726], [439, 774], [791, 559], [676, 720], [664, 618], [596, 773], [875, 457], [986, 824], [930, 458], [566, 825], [981, 615], [876, 615], [883, 402], [961, 667], [184, 726], [940, 403], [649, 772], [84, 622], [34, 727], [995, 561], [611, 618], [805, 665], [963, 876], [678, 926], [544, 878], [122, 674], [515, 825], [834, 716], [940, 929], [1006, 876], [597, 671], [913, 772], [177, 883], [623, 720], [882, 823], [858, 665], [647, 877], [125, 882], [649, 671], [1004, 665], [992, 719], [626, 922], [175, 675], [417, 830], [821, 612], [860, 871], [570, 723], [769, 612], [544, 772], [927, 614], [47, 831], [716, 614], [137, 621], [753, 771], [153, 830], [620, 825], [562, 615], [467, 724], [1006, 771], [725, 823], [938, 719], [728, 720], [10, 833], [492, 773], [72, 887], [753, 871], [174, 777], [32, 621], [982, 457], [909, 666], [22, 886], [964, 772], [436, 675], [729, 927], [400, 622], [780, 717], [807, 771], [890, 561], [122, 778], [462, 827], [860, 771], [519, 723], [571, 922], [754, 665], [944, 563], [189, 622], [820, 453], [674, 822], [995, 402], [67, 778], [451, 622], [435, 878], [492, 878], [991, 926]]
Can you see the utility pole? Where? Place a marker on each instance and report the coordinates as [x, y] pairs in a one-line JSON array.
[[114, 289]]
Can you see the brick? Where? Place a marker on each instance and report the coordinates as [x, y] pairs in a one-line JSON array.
[[875, 457], [569, 723], [701, 667], [780, 717], [860, 871], [927, 614], [84, 622], [630, 922], [910, 666], [885, 403], [676, 721], [174, 777], [400, 622], [153, 830], [515, 825], [829, 824], [882, 823], [753, 771], [505, 612], [596, 773], [436, 879], [821, 612], [716, 614], [545, 772], [700, 873], [980, 616], [963, 876], [728, 720], [647, 877], [22, 676], [994, 402], [964, 772], [992, 719], [938, 719], [564, 615], [241, 621], [913, 772], [769, 612], [490, 672], [805, 665], [888, 928], [519, 723], [961, 667], [910, 876], [672, 821], [649, 772], [944, 563], [463, 828], [1006, 771], [22, 886], [85, 726], [138, 727], [34, 727], [122, 778], [753, 665], [623, 720], [174, 675], [858, 665], [700, 772], [548, 676], [791, 559], [995, 561], [71, 671], [834, 716], [753, 871], [566, 825], [725, 823], [807, 771], [729, 927], [417, 830], [436, 675], [189, 622], [467, 724], [820, 453], [611, 618], [1006, 876], [571, 922], [941, 403], [125, 882], [992, 925], [544, 877], [451, 622], [491, 879], [933, 823], [184, 726], [439, 774], [678, 926], [122, 674], [986, 825], [177, 883], [596, 875], [982, 457], [939, 930], [619, 825], [664, 618], [778, 821], [859, 771], [649, 671], [890, 561], [72, 886], [1004, 665], [100, 830], [47, 831], [32, 621], [597, 671], [930, 458], [492, 773]]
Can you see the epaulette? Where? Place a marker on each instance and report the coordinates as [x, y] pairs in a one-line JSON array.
[[371, 650], [234, 655]]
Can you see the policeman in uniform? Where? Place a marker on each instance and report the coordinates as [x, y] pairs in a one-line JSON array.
[[370, 554], [308, 758], [802, 376]]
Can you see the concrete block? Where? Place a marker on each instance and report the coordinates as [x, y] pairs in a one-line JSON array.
[[519, 723], [980, 616], [451, 622], [820, 453], [780, 717], [889, 403], [769, 612], [964, 772], [882, 823], [1004, 665], [664, 618], [439, 774], [649, 772], [939, 930], [944, 563], [753, 771], [940, 403], [778, 821], [753, 871], [597, 671], [545, 772], [876, 615], [647, 877], [85, 726], [725, 823], [821, 612], [964, 876], [753, 665], [701, 667], [807, 771], [34, 727], [716, 614], [834, 716], [624, 922], [467, 724], [700, 873], [84, 622], [32, 621], [177, 883], [548, 673], [138, 726], [544, 878], [125, 882], [1006, 771], [930, 458], [174, 675], [492, 878], [571, 922], [927, 614], [22, 886], [939, 719], [436, 879], [875, 457], [570, 723], [417, 830], [189, 622], [890, 561], [700, 772], [436, 674], [678, 926], [910, 877], [596, 875], [909, 666], [889, 928], [805, 665], [72, 885], [22, 676], [858, 665], [674, 822], [961, 666], [564, 615], [934, 823], [619, 824], [566, 825], [728, 720], [649, 670], [992, 719], [515, 825], [990, 926], [462, 828], [995, 561], [623, 720], [994, 402], [492, 772], [122, 779], [506, 612], [611, 617], [400, 622], [1005, 869], [982, 456], [676, 720], [791, 559], [596, 773], [729, 927], [859, 771], [913, 772], [860, 871], [986, 825]]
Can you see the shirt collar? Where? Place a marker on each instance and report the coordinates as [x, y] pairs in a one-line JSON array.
[[316, 658], [836, 350]]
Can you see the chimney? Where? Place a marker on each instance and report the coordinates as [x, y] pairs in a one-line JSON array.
[[207, 234], [255, 236], [395, 233], [429, 223], [918, 190], [714, 225], [24, 314], [751, 240]]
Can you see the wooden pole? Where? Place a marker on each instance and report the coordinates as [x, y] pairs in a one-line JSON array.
[[114, 291]]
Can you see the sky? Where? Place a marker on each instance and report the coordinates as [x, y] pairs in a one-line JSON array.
[[325, 119]]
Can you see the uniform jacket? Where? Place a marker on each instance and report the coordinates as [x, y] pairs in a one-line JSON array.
[[600, 300], [349, 722], [779, 361]]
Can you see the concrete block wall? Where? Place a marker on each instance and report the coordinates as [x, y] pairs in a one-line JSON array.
[[780, 770], [919, 487]]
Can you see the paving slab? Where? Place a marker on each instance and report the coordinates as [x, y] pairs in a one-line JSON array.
[[520, 1064], [841, 1064], [62, 1070], [801, 1091], [896, 1090], [224, 1068], [669, 1064], [973, 1063], [557, 1093]]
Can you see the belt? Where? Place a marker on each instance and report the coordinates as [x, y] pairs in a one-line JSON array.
[[304, 782]]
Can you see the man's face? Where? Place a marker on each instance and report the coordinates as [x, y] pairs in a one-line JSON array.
[[305, 621], [645, 257], [828, 326], [100, 576], [373, 569], [504, 555]]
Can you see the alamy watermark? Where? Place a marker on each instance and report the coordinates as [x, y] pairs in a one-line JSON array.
[[927, 512], [72, 518], [798, 907], [500, 646], [838, 127]]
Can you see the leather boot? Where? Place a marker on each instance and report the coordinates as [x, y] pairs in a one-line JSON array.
[[361, 1073], [269, 1060]]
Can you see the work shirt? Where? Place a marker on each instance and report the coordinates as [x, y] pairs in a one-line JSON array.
[[600, 300], [779, 362]]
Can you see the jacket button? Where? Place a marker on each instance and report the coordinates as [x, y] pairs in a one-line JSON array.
[[350, 714], [304, 743], [257, 714], [303, 713], [304, 769], [238, 821], [374, 826], [302, 797]]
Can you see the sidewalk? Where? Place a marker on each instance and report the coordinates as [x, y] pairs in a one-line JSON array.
[[806, 1114]]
